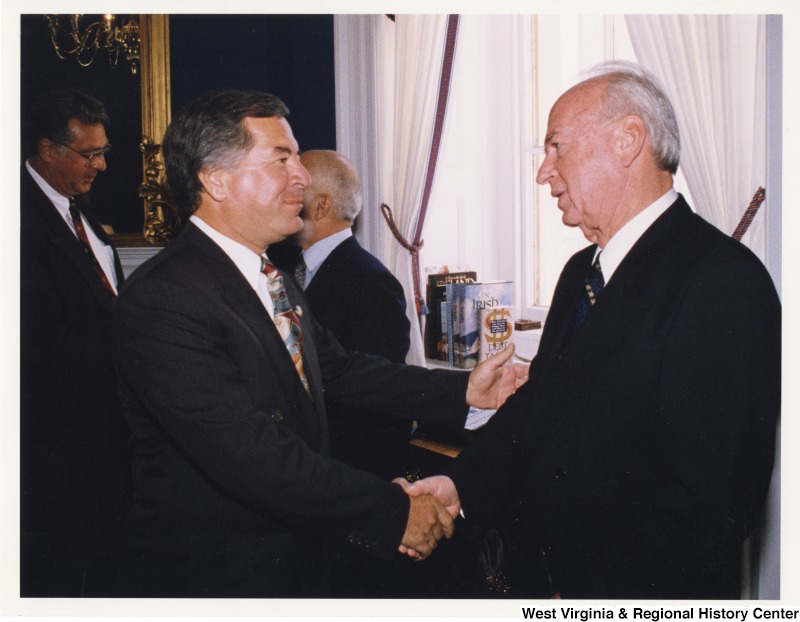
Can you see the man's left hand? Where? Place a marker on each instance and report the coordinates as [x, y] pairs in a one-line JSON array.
[[492, 381]]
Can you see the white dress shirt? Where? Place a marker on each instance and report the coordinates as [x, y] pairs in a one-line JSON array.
[[101, 250], [624, 239]]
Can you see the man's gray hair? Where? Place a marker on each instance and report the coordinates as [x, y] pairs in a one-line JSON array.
[[336, 176], [631, 89], [346, 191]]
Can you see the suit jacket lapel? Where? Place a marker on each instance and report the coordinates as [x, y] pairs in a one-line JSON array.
[[62, 237], [318, 287], [559, 319], [310, 357], [628, 293], [97, 227], [245, 303], [622, 304]]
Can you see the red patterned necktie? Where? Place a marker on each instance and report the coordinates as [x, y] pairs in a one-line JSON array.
[[285, 319], [87, 247]]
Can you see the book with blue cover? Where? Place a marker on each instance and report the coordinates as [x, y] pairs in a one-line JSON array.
[[469, 302]]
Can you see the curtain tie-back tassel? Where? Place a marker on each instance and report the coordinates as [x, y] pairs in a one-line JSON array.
[[413, 249], [749, 213]]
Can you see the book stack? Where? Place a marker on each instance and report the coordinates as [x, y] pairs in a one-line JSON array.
[[436, 336], [467, 321]]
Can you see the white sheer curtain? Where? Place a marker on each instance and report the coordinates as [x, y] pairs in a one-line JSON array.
[[418, 54], [713, 67]]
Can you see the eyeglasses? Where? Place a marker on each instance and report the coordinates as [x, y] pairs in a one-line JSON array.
[[90, 157]]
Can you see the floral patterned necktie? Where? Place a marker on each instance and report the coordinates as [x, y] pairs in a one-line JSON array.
[[285, 319]]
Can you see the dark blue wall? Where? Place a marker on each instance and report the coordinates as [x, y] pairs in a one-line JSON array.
[[290, 56]]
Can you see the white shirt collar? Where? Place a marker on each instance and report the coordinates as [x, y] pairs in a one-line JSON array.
[[103, 252], [59, 200], [624, 239], [248, 262], [318, 252]]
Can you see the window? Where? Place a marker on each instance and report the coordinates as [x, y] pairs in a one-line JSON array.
[[564, 46], [473, 213], [486, 211]]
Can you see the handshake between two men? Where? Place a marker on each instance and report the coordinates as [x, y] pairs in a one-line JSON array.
[[434, 502]]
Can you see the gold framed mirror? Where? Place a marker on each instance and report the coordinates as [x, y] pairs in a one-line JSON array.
[[161, 218]]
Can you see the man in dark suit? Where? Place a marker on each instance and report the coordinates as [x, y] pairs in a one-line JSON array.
[[225, 376], [635, 461], [75, 464], [352, 294]]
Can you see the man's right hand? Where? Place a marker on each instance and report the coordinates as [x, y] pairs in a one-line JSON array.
[[441, 487], [428, 521]]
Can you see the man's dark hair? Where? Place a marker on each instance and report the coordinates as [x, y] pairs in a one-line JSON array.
[[51, 113], [210, 132]]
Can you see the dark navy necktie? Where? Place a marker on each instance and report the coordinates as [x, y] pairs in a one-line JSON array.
[[592, 286], [300, 272]]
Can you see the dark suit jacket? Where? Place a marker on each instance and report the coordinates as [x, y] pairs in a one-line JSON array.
[[354, 296], [75, 466], [637, 456], [234, 489]]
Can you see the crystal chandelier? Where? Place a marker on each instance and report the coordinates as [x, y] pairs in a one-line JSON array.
[[83, 42]]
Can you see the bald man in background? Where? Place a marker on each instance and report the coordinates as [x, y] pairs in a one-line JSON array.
[[353, 295]]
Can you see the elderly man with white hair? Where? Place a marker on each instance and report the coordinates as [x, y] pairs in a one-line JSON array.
[[635, 461]]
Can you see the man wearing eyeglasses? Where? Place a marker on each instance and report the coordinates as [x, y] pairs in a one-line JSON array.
[[74, 460]]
